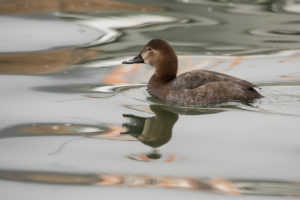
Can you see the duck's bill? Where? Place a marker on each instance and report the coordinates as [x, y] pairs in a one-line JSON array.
[[137, 59]]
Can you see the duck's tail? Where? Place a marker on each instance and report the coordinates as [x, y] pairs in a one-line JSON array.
[[253, 94]]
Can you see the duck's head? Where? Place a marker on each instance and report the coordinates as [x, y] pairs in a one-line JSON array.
[[159, 54]]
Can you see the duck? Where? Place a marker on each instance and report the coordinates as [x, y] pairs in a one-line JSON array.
[[194, 88]]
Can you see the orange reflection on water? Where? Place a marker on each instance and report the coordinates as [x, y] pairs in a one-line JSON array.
[[190, 65], [38, 6], [171, 158], [225, 185], [291, 58], [208, 185], [235, 62], [57, 129], [144, 157], [209, 63], [291, 77], [220, 62], [103, 131], [119, 73], [43, 62], [110, 180], [115, 132]]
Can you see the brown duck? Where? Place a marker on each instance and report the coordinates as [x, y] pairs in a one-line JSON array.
[[194, 88]]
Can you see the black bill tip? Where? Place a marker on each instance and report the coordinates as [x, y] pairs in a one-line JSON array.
[[137, 59]]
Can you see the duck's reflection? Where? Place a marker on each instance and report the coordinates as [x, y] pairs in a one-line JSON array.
[[153, 131], [157, 130]]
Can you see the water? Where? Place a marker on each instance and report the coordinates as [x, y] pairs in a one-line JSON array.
[[76, 124]]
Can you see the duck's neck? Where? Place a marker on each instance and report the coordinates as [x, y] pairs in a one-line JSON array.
[[159, 83], [166, 70]]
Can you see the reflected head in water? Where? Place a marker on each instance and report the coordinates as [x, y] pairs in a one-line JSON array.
[[153, 131], [194, 88]]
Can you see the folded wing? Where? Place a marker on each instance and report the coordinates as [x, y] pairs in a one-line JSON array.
[[197, 78]]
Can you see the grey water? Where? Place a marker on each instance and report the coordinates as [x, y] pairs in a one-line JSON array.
[[77, 124]]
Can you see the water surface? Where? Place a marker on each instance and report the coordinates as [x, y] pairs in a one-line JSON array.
[[77, 124]]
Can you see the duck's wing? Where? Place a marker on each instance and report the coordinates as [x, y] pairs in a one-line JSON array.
[[212, 93], [197, 78]]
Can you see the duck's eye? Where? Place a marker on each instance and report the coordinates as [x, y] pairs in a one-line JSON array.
[[149, 49]]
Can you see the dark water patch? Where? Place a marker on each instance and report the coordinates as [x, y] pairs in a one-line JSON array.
[[280, 41], [282, 33], [155, 156], [292, 22], [286, 32]]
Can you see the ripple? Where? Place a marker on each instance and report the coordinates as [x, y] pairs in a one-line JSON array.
[[100, 91], [111, 25], [140, 94], [280, 99], [278, 32], [114, 88]]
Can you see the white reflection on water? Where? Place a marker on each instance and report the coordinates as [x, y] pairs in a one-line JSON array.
[[292, 8], [32, 34], [114, 88], [110, 24]]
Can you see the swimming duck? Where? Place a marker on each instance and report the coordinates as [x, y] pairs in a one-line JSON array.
[[194, 88]]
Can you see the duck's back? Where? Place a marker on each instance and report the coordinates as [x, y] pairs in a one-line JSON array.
[[197, 78], [202, 87]]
